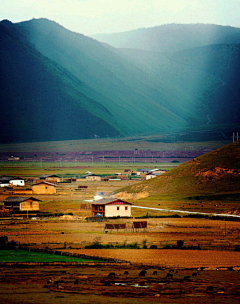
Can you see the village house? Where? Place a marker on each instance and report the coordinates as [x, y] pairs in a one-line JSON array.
[[142, 171], [16, 204], [7, 181], [44, 188], [92, 177], [111, 207], [52, 178], [154, 173]]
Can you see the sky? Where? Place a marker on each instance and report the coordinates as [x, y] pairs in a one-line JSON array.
[[90, 17]]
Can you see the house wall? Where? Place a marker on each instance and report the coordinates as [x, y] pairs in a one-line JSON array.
[[43, 189], [112, 210], [29, 206], [53, 179], [17, 182], [150, 176], [93, 178], [4, 185]]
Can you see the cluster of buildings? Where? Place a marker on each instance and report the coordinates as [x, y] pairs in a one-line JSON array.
[[144, 174], [46, 184]]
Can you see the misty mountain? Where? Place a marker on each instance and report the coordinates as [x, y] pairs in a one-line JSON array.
[[121, 91], [137, 105], [42, 101], [172, 37]]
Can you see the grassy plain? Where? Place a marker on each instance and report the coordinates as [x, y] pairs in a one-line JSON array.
[[65, 169], [155, 143]]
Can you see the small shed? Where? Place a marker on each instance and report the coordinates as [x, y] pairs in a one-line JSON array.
[[44, 188], [111, 207], [14, 203]]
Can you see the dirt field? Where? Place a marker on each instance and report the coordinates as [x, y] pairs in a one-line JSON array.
[[85, 284], [76, 234], [91, 284]]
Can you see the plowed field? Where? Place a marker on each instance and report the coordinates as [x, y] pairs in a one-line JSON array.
[[170, 258]]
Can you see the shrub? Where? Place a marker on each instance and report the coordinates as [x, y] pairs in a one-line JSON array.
[[180, 243], [153, 247]]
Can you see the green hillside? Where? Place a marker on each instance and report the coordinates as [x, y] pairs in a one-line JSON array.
[[42, 101], [215, 174]]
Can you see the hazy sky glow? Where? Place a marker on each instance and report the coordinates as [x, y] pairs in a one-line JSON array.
[[107, 16]]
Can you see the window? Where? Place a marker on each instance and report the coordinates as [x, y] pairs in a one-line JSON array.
[[117, 208], [126, 208]]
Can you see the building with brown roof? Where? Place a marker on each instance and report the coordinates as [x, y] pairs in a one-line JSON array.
[[16, 204], [44, 188], [111, 207], [51, 178]]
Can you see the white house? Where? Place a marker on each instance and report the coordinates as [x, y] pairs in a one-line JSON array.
[[111, 207], [7, 181], [17, 181], [154, 173]]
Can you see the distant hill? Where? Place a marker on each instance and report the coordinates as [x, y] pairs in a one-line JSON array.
[[100, 90], [172, 37], [42, 101], [215, 174]]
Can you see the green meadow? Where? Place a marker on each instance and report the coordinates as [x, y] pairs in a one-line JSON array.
[[29, 256]]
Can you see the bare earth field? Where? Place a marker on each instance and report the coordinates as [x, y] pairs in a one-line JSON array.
[[179, 278], [92, 284]]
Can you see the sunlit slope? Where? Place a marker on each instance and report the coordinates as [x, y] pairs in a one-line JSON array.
[[172, 37], [204, 81], [214, 173], [136, 104], [42, 101]]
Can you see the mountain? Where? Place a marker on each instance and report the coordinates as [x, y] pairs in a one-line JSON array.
[[172, 37], [137, 105], [213, 175], [42, 101], [193, 86], [205, 79]]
